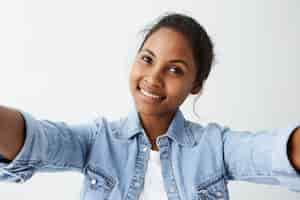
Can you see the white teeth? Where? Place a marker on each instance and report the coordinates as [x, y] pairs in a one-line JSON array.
[[149, 94]]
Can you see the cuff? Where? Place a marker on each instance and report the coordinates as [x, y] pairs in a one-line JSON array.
[[18, 169], [281, 165]]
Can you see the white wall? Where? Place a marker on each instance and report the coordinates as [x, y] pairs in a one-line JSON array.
[[67, 60]]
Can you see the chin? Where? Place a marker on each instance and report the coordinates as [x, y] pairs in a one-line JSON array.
[[152, 110]]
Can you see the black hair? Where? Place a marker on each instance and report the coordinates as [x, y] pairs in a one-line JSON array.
[[197, 37]]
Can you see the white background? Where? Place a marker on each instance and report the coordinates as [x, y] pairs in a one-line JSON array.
[[68, 60]]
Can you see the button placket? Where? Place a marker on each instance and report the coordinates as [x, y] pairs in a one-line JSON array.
[[166, 164], [140, 167]]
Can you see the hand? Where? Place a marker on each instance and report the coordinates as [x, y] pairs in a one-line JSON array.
[[294, 149]]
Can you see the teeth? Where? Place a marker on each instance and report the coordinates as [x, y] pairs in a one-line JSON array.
[[149, 94]]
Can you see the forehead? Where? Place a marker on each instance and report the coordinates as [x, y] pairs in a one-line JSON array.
[[169, 44]]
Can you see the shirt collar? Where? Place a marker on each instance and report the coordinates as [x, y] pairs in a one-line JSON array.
[[176, 131]]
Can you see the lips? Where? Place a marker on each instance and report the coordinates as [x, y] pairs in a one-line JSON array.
[[150, 94]]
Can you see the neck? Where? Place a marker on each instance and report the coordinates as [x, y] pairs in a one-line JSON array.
[[156, 125]]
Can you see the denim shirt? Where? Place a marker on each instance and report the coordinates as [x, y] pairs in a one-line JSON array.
[[197, 161]]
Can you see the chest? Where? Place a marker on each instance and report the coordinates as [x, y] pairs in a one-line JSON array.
[[118, 170]]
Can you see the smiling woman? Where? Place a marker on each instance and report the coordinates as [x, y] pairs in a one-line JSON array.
[[153, 152], [168, 67]]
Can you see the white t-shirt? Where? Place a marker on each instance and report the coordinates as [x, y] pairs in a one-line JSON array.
[[154, 186]]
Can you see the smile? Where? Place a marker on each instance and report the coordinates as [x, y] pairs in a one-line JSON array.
[[150, 95]]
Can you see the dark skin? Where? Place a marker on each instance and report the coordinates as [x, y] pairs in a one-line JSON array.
[[165, 68], [294, 151]]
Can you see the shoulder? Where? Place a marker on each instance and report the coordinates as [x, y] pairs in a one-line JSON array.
[[210, 130], [109, 127]]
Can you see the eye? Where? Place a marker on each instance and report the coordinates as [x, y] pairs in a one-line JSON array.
[[175, 70], [146, 59]]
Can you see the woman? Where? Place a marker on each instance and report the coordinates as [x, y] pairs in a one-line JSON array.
[[153, 153]]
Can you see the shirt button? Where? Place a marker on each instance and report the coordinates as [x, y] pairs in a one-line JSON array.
[[219, 194], [172, 189], [137, 184], [203, 191], [93, 181]]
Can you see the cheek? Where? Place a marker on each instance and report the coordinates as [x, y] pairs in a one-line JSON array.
[[134, 76], [178, 89], [136, 71]]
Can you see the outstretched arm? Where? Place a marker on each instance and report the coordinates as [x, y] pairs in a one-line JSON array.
[[29, 145], [263, 156], [294, 149]]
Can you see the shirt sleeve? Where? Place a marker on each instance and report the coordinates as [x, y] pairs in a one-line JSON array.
[[260, 157], [49, 146], [4, 160]]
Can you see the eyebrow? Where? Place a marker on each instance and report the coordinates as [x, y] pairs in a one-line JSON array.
[[172, 61]]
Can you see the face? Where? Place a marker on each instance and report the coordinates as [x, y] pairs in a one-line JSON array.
[[163, 73]]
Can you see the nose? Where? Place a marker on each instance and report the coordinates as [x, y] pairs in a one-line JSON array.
[[153, 79]]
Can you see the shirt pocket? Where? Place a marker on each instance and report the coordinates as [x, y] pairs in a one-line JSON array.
[[97, 185], [213, 189]]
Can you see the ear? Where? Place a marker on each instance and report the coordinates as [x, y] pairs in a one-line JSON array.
[[196, 89]]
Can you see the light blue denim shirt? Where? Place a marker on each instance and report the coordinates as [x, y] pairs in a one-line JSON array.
[[197, 161]]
